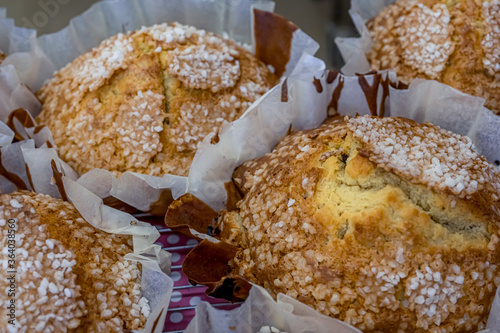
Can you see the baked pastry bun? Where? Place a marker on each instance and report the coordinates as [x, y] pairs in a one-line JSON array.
[[454, 42], [384, 223], [144, 101], [68, 275]]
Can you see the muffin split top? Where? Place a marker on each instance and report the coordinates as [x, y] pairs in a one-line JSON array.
[[381, 239], [144, 101]]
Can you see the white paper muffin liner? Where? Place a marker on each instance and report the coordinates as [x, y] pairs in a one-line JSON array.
[[22, 43], [302, 104], [37, 59], [260, 309], [353, 49], [14, 94], [36, 63], [286, 314], [13, 39]]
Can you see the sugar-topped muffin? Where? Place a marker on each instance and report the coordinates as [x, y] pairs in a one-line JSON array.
[[454, 42], [68, 275], [385, 223], [144, 101]]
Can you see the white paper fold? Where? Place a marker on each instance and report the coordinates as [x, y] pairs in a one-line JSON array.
[[260, 309], [14, 94], [148, 190], [285, 314], [23, 51], [38, 58], [143, 192], [6, 134], [12, 161], [13, 39], [353, 50]]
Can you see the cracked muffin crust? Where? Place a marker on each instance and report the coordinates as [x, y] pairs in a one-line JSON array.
[[144, 101], [71, 277], [384, 223], [456, 42]]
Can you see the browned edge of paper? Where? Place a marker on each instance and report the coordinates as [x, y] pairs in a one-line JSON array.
[[208, 264], [188, 212], [273, 39]]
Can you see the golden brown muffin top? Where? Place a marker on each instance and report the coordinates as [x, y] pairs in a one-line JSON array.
[[426, 154], [384, 223], [455, 42], [144, 101], [71, 277]]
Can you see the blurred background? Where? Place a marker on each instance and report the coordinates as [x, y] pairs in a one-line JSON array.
[[321, 19]]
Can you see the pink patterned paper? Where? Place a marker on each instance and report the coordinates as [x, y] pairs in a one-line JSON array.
[[185, 297]]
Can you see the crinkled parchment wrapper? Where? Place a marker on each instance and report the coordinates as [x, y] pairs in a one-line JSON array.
[[259, 309], [14, 94], [14, 39], [353, 49], [229, 17], [30, 165], [38, 58], [302, 103]]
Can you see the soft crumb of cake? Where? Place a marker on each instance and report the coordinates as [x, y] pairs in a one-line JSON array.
[[454, 42], [70, 275], [144, 101], [368, 237]]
